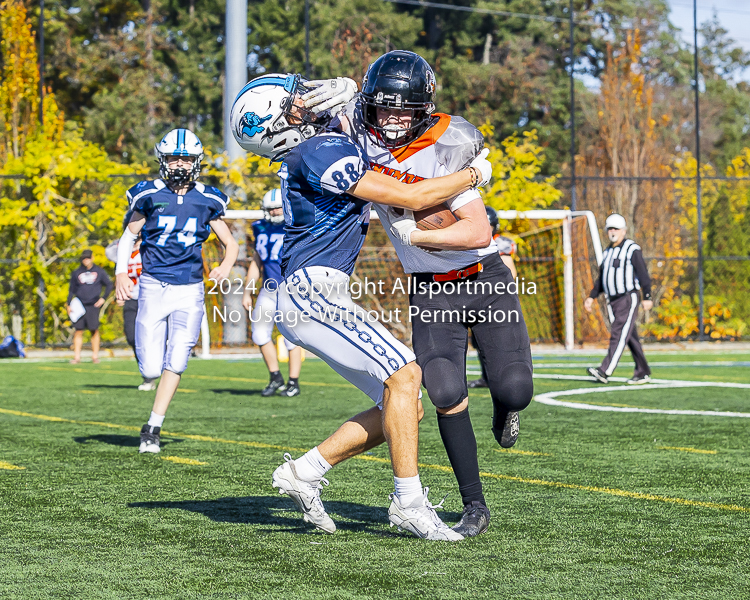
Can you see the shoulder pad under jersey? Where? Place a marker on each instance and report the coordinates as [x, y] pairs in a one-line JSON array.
[[459, 145], [350, 120]]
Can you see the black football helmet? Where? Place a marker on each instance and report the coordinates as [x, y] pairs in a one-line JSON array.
[[399, 80], [492, 216]]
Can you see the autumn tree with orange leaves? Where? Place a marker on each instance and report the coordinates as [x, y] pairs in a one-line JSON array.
[[629, 141]]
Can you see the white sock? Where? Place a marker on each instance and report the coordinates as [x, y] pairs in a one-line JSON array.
[[311, 466], [408, 489], [156, 420]]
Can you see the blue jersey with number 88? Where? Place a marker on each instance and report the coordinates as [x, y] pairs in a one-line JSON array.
[[175, 229], [324, 225]]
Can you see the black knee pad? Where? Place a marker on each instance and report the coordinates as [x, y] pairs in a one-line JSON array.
[[445, 384], [514, 388]]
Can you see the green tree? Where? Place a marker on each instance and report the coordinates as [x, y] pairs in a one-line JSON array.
[[59, 197]]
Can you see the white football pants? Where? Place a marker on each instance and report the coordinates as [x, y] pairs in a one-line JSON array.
[[167, 325], [318, 313], [262, 318]]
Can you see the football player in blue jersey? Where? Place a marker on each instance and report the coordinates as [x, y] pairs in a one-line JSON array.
[[269, 238], [174, 214], [327, 190]]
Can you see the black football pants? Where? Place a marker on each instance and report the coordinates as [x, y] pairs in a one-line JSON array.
[[623, 332]]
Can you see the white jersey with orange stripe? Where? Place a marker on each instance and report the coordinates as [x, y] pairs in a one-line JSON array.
[[448, 146]]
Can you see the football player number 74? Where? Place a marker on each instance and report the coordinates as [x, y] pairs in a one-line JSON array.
[[168, 223]]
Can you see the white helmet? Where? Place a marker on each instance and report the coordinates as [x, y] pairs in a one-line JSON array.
[[261, 119], [615, 221], [179, 142], [272, 199]]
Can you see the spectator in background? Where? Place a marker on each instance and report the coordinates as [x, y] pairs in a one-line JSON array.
[[91, 285]]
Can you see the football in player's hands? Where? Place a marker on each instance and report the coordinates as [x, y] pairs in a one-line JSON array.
[[481, 164], [435, 217], [403, 226]]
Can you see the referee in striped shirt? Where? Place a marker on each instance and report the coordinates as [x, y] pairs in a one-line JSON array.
[[622, 273]]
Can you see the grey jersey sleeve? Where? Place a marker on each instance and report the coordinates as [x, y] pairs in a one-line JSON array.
[[459, 145]]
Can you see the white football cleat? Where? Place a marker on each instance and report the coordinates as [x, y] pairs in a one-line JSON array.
[[148, 385], [421, 519], [306, 495]]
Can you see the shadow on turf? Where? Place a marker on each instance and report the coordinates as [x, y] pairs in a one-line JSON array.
[[128, 441], [237, 392], [110, 386], [279, 511]]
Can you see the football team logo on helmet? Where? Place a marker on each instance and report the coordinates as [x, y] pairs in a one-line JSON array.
[[250, 124], [289, 123], [430, 87]]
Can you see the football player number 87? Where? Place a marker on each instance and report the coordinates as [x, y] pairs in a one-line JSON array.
[[168, 223], [340, 179]]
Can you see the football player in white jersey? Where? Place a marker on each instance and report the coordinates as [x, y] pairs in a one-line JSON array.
[[327, 189], [394, 121], [174, 215]]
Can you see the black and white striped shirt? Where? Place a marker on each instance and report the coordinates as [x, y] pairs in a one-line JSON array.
[[622, 271]]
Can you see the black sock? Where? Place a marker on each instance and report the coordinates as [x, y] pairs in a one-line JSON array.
[[499, 415], [293, 381], [461, 446], [277, 376]]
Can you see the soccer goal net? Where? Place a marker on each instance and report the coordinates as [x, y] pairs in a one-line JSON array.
[[557, 257]]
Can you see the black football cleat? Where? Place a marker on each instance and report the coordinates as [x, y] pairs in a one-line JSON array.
[[474, 521], [508, 434], [477, 383], [596, 373], [272, 387], [634, 380], [150, 439], [290, 390]]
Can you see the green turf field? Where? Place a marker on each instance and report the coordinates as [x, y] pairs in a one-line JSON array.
[[588, 504]]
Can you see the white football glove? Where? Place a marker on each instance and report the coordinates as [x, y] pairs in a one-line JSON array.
[[330, 94], [402, 227], [483, 166]]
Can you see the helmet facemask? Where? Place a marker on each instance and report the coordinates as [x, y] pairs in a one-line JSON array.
[[274, 219], [393, 136], [180, 176], [296, 119]]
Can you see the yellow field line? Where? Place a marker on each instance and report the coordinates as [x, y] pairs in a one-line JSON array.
[[681, 449], [211, 377], [9, 467], [524, 452], [558, 484], [183, 461]]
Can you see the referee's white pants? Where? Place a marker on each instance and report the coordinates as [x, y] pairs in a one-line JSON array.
[[263, 318], [167, 325], [318, 313]]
